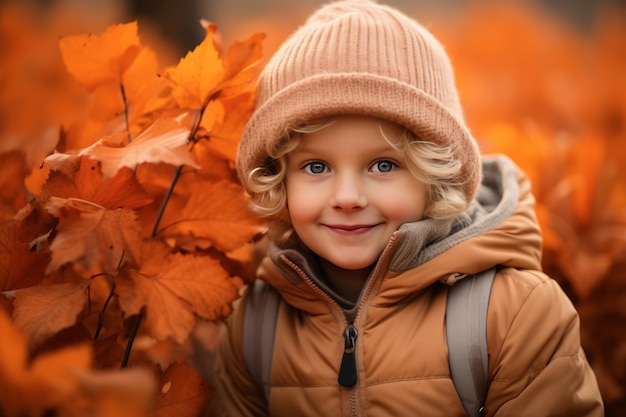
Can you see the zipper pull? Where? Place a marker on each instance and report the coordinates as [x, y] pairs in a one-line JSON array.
[[347, 370]]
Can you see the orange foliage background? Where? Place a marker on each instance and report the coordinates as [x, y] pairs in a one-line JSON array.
[[122, 224]]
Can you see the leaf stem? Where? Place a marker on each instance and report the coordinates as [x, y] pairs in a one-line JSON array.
[[166, 199], [126, 117], [104, 307], [131, 339]]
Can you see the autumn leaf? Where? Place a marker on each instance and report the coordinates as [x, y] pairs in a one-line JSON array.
[[7, 240], [218, 215], [144, 90], [183, 393], [95, 240], [12, 195], [223, 136], [241, 61], [28, 389], [61, 382], [96, 60], [173, 288], [165, 141], [20, 266], [26, 267], [118, 393], [80, 177], [43, 310], [197, 76]]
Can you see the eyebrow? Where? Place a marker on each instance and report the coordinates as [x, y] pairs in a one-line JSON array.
[[303, 148]]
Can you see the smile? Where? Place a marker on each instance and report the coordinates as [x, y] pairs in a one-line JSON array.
[[350, 230]]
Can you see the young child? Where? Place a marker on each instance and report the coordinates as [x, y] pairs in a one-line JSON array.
[[380, 202]]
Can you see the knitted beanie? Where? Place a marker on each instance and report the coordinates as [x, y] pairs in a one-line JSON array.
[[357, 57]]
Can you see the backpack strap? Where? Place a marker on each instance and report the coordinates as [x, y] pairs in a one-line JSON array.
[[466, 331], [259, 328]]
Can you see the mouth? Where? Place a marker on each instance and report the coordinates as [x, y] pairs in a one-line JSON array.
[[350, 230]]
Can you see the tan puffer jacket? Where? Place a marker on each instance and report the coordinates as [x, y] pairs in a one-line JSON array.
[[536, 364]]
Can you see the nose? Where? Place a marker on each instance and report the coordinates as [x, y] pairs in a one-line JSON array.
[[349, 193]]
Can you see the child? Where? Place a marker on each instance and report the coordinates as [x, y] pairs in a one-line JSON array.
[[358, 152]]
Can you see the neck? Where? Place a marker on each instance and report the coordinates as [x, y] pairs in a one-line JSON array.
[[347, 283]]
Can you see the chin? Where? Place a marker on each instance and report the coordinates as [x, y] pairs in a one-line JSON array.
[[355, 266]]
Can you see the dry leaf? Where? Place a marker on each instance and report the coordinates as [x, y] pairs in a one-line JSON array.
[[95, 240], [174, 288], [165, 141]]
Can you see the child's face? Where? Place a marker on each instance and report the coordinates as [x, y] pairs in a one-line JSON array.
[[348, 190]]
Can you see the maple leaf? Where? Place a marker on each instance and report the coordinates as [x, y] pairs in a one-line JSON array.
[[80, 177], [197, 76], [92, 238], [224, 134], [96, 60], [143, 89], [43, 310], [217, 212], [165, 141], [183, 393], [173, 288], [241, 61]]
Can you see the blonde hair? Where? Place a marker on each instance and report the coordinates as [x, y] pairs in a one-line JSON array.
[[430, 163]]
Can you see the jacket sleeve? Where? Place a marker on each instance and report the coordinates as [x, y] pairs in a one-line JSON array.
[[236, 392], [536, 363]]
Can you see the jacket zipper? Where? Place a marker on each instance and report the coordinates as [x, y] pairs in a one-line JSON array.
[[347, 370], [348, 375]]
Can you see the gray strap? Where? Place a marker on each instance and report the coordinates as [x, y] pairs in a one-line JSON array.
[[259, 328], [466, 331]]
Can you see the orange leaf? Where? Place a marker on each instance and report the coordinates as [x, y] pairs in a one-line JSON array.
[[219, 213], [44, 310], [183, 393], [12, 195], [61, 383], [143, 87], [224, 134], [29, 389], [96, 60], [242, 61], [7, 239], [26, 267], [119, 393], [173, 288], [164, 141], [197, 76], [20, 266], [85, 182], [94, 239]]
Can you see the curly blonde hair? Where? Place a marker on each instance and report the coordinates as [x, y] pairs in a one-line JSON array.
[[430, 163]]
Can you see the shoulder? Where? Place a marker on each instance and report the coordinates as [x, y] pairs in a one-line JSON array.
[[531, 321], [515, 287]]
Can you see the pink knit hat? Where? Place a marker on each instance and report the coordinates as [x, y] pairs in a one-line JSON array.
[[356, 57]]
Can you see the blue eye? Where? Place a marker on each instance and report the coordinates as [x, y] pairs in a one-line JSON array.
[[316, 167], [383, 166]]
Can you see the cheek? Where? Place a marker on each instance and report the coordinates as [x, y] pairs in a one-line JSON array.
[[398, 204], [303, 206]]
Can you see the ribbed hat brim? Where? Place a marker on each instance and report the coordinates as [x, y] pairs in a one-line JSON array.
[[363, 95]]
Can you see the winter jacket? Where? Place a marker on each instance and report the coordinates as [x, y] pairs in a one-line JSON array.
[[536, 364]]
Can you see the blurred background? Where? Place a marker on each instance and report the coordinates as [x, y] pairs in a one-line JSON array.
[[542, 81]]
